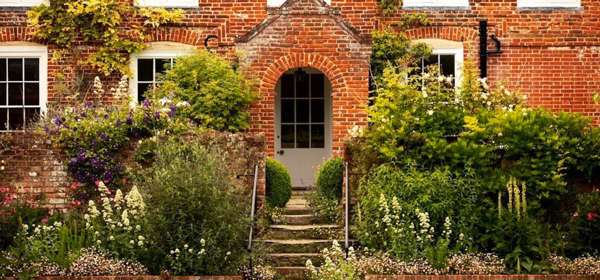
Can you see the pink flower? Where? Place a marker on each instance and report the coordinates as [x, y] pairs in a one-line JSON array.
[[592, 216], [74, 186]]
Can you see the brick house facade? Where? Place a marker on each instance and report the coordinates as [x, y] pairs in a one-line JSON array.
[[550, 51]]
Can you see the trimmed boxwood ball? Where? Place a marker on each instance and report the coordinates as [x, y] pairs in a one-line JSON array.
[[330, 178], [279, 184]]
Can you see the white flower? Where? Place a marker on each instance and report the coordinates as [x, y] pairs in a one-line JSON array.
[[172, 252], [140, 243], [201, 252], [111, 238], [202, 242], [142, 238], [98, 241], [190, 250], [131, 242], [430, 112], [182, 104], [25, 227], [185, 246], [176, 251], [118, 196], [163, 101], [138, 227]]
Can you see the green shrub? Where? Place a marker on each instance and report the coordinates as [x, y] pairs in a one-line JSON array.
[[199, 220], [219, 96], [13, 214], [279, 184], [586, 224], [330, 178], [417, 214]]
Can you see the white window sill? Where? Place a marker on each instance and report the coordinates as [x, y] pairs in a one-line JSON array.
[[22, 4]]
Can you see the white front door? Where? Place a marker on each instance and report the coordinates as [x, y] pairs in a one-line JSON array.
[[303, 138]]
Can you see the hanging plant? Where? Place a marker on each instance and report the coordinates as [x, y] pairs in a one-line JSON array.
[[67, 23]]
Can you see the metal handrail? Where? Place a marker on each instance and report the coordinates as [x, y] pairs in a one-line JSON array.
[[346, 208], [252, 219]]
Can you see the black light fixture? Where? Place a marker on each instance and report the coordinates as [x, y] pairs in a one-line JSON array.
[[300, 75]]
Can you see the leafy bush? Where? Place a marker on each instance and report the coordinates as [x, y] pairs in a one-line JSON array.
[[219, 96], [198, 222], [330, 178], [325, 207], [417, 214], [586, 224], [279, 184], [14, 213]]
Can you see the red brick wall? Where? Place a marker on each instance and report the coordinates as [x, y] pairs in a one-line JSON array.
[[551, 55]]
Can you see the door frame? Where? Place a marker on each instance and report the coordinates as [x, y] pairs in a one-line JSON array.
[[328, 117]]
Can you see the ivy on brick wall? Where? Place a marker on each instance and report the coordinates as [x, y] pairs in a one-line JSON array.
[[98, 23]]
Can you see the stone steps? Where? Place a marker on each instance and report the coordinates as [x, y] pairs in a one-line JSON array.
[[296, 246], [304, 232], [302, 219]]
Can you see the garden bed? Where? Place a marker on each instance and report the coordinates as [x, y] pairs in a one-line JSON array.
[[483, 277], [139, 277]]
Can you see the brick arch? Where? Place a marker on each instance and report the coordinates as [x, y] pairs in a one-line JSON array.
[[468, 36], [299, 60], [179, 35], [18, 34], [461, 34]]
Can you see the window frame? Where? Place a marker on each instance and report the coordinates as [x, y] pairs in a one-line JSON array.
[[30, 51], [156, 52], [23, 3], [436, 4], [555, 4], [159, 4], [458, 54]]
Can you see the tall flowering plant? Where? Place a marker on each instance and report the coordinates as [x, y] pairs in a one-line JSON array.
[[118, 222]]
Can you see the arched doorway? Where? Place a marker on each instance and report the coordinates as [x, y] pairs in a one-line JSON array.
[[303, 123]]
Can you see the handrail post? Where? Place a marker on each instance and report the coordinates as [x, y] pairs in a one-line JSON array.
[[252, 214], [346, 208]]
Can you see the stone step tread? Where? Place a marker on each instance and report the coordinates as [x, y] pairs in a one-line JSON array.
[[303, 227], [310, 255], [297, 241]]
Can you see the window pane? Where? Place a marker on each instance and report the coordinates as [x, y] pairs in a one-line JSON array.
[[318, 111], [317, 85], [31, 115], [145, 70], [303, 136], [162, 65], [447, 65], [429, 61], [32, 69], [15, 94], [2, 69], [32, 94], [2, 94], [302, 86], [287, 136], [317, 136], [15, 69], [287, 85], [302, 107], [3, 119], [15, 119], [287, 111], [143, 90]]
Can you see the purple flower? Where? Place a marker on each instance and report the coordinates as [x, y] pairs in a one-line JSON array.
[[57, 121], [103, 136], [146, 103], [157, 114], [88, 104], [129, 120], [173, 111]]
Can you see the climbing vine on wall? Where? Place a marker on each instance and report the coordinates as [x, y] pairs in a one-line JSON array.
[[67, 23]]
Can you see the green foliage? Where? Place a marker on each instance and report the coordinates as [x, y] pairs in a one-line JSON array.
[[325, 207], [198, 222], [279, 184], [417, 214], [330, 178], [586, 224], [98, 22], [219, 96], [13, 214], [391, 48]]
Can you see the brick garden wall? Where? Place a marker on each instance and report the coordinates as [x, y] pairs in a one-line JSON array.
[[141, 277], [482, 277]]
